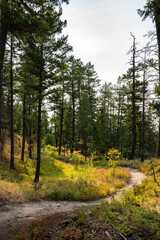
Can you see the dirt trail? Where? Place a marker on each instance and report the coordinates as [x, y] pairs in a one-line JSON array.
[[14, 215]]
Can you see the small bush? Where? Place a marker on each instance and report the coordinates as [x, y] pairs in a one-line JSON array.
[[76, 159], [50, 149], [113, 154], [59, 194], [113, 157]]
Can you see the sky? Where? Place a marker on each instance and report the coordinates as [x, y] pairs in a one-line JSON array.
[[99, 31]]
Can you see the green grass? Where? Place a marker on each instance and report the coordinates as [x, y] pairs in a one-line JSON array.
[[147, 195], [58, 180], [119, 219], [67, 182], [121, 163], [133, 216], [130, 163]]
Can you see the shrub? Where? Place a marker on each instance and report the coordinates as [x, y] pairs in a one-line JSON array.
[[50, 149], [59, 194], [123, 220], [113, 156], [76, 159]]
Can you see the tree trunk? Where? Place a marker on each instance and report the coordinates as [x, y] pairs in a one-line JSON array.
[[3, 37], [84, 141], [39, 127], [149, 133], [56, 138], [30, 133], [73, 118], [110, 129], [1, 122], [39, 132], [24, 127], [134, 135], [143, 117], [158, 144], [157, 20], [61, 131], [61, 120], [11, 96], [30, 140], [118, 121]]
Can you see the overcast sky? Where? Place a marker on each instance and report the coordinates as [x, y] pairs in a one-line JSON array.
[[99, 31]]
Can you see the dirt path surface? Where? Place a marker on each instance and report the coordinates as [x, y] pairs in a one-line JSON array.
[[13, 216]]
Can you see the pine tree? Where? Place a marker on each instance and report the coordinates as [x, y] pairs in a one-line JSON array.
[[152, 10]]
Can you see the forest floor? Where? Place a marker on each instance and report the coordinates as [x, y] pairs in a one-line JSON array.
[[16, 217]]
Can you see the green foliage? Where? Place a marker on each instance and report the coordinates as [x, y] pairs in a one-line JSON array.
[[59, 180], [119, 218], [50, 149], [129, 163], [64, 158], [76, 159], [150, 165], [148, 193], [59, 194], [91, 158], [113, 156]]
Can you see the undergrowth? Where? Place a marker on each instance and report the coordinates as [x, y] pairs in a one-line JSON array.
[[120, 220], [115, 220], [59, 180], [133, 216], [147, 195]]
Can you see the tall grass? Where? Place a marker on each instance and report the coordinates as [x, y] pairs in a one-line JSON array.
[[58, 180]]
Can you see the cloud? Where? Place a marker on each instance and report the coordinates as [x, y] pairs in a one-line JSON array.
[[99, 31]]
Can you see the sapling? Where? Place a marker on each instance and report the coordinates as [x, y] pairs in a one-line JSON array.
[[113, 157]]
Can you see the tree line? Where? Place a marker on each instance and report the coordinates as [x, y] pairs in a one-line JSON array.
[[48, 96]]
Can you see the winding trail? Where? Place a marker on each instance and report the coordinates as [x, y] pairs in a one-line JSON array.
[[14, 215]]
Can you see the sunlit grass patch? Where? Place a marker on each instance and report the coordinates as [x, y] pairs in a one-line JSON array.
[[148, 193], [59, 180], [86, 183], [10, 192]]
